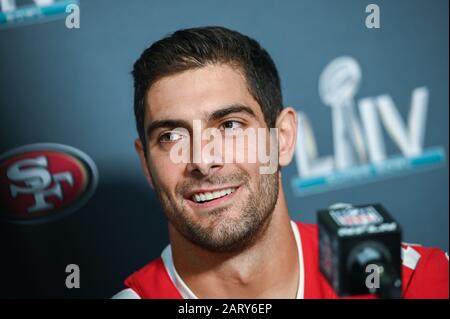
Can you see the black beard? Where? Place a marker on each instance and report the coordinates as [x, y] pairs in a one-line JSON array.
[[229, 235]]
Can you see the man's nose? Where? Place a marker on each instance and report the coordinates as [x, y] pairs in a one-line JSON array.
[[203, 169], [203, 162]]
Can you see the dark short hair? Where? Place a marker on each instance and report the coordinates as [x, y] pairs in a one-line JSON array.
[[197, 47]]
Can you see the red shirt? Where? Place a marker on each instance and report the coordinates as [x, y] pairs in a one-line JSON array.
[[425, 273]]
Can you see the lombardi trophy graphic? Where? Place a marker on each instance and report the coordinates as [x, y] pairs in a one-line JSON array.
[[338, 84]]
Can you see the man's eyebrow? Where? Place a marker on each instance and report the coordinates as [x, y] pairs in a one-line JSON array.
[[165, 124], [235, 108], [214, 116]]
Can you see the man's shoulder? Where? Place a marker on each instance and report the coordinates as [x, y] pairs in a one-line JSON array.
[[425, 272], [151, 281], [308, 232], [311, 229], [153, 268], [309, 239]]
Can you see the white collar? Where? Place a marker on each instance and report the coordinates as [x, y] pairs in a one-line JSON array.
[[187, 293]]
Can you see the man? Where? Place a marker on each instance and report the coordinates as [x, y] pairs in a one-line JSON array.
[[229, 226]]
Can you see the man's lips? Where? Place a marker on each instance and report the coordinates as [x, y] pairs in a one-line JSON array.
[[210, 197]]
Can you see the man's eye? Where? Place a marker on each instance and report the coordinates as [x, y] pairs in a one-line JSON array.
[[171, 137], [231, 125]]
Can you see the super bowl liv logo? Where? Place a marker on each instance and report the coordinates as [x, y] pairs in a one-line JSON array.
[[359, 148]]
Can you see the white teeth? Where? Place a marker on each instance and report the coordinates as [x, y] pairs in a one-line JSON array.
[[201, 197], [208, 196]]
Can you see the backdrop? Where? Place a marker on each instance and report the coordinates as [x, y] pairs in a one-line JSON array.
[[72, 86]]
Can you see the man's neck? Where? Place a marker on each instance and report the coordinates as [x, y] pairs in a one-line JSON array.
[[266, 269]]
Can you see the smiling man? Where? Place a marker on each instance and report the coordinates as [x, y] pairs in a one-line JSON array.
[[230, 231]]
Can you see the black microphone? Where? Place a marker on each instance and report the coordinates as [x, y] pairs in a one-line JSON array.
[[359, 249]]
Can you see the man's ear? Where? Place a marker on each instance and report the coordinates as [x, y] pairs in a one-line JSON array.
[[140, 151], [287, 135]]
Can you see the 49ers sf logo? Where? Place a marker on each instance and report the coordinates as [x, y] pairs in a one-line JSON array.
[[40, 181]]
